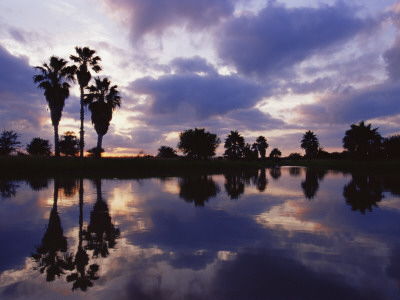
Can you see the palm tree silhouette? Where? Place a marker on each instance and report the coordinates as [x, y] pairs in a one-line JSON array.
[[101, 234], [82, 278], [84, 58], [51, 254], [102, 100], [234, 185], [53, 79], [234, 145]]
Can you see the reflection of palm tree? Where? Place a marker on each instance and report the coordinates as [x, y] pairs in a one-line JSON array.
[[82, 278], [363, 192], [69, 187], [275, 173], [294, 171], [262, 181], [311, 184], [51, 255], [37, 183], [101, 233], [234, 185], [197, 189], [8, 189]]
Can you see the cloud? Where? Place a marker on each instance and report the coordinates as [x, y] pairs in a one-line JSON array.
[[155, 16], [21, 105], [392, 59], [353, 105], [278, 37], [209, 95], [194, 64]]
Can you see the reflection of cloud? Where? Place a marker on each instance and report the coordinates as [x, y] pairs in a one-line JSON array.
[[286, 216]]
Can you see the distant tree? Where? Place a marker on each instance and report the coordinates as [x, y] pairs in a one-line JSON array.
[[84, 58], [391, 145], [261, 145], [69, 144], [8, 142], [294, 156], [234, 145], [166, 152], [53, 79], [39, 146], [362, 141], [310, 144], [102, 100], [249, 152], [198, 143], [275, 153]]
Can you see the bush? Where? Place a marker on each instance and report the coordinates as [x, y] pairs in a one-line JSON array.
[[39, 146], [8, 142], [295, 156], [166, 152]]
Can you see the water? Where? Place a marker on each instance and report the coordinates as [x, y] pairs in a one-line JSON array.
[[289, 233]]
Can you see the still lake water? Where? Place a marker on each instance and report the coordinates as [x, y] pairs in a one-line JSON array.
[[290, 233]]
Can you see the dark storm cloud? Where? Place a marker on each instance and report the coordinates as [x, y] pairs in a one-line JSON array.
[[209, 95], [354, 105], [154, 16], [20, 101], [279, 37]]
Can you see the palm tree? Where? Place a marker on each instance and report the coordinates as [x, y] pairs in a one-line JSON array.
[[85, 56], [234, 145], [53, 79], [310, 144], [362, 141], [261, 145], [102, 100]]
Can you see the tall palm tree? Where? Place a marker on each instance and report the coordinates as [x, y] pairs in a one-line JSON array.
[[261, 146], [234, 145], [84, 59], [53, 79], [310, 144], [102, 100]]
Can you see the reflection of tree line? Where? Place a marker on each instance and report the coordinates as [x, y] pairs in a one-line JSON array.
[[52, 256]]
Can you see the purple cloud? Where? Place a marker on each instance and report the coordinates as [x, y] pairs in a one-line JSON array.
[[279, 37], [154, 16], [208, 95]]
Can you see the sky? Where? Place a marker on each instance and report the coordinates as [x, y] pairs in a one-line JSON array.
[[271, 68]]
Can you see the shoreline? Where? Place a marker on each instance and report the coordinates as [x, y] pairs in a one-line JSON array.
[[131, 167]]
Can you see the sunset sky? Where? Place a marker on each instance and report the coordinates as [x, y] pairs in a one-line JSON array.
[[271, 68]]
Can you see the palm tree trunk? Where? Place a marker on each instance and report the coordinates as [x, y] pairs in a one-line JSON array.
[[81, 141], [80, 211], [99, 144], [56, 144], [55, 193]]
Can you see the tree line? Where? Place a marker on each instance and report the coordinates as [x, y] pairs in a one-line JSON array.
[[54, 78], [361, 141]]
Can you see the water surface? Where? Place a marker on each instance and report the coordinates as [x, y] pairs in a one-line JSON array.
[[288, 233]]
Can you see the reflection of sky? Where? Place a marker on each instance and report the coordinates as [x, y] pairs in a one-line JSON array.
[[275, 244]]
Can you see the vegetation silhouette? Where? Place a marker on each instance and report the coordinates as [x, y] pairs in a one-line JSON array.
[[362, 141], [310, 144], [261, 145], [250, 152], [37, 183], [363, 192], [391, 146], [39, 146], [275, 154], [84, 60], [234, 146], [102, 99], [54, 79], [198, 143], [8, 188], [262, 181], [310, 185], [8, 142], [51, 255], [101, 233], [166, 152], [275, 173], [234, 184], [83, 277], [197, 189], [68, 186], [69, 144], [295, 171]]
